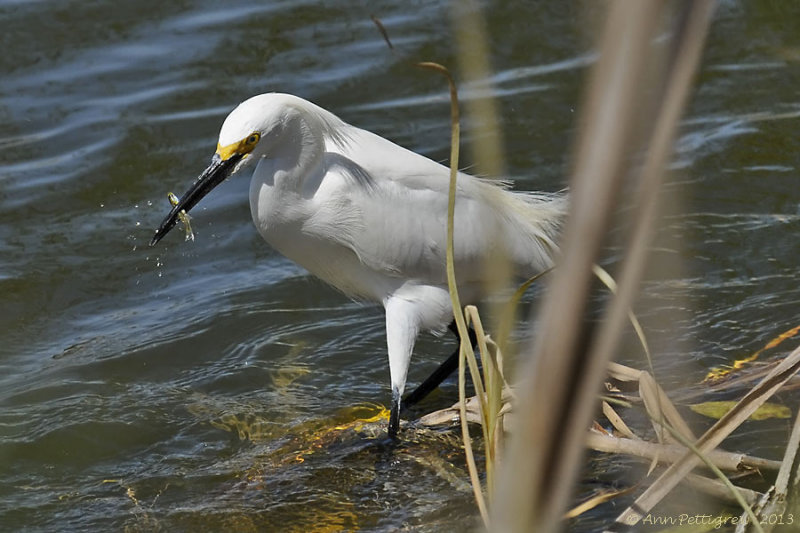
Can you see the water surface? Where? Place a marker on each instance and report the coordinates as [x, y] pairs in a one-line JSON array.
[[187, 385]]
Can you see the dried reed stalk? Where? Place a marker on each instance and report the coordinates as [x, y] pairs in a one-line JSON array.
[[569, 358]]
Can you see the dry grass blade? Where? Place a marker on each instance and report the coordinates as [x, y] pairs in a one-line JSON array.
[[508, 312], [617, 422], [466, 352], [482, 385], [596, 500], [661, 410], [775, 501], [609, 282], [622, 372], [712, 438], [455, 124], [671, 453], [471, 315], [470, 456], [488, 406], [720, 491], [789, 459], [491, 402]]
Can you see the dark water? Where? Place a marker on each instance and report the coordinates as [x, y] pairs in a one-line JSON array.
[[197, 384]]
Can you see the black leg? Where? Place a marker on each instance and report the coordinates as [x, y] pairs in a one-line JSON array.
[[394, 415], [440, 374]]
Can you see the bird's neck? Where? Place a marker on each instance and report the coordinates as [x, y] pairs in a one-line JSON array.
[[286, 177], [301, 153]]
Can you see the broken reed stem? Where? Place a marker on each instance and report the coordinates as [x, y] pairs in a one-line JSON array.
[[711, 439], [718, 490], [474, 410], [670, 453]]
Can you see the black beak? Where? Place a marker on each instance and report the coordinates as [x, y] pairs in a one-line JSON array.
[[215, 174]]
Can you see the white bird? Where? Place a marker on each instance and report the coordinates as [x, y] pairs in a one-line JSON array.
[[370, 217]]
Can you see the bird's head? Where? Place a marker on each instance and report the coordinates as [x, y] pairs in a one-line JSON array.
[[248, 133], [268, 125]]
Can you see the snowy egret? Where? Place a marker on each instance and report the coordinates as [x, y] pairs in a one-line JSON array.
[[369, 217]]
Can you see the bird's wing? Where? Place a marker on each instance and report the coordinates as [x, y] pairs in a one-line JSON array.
[[389, 205]]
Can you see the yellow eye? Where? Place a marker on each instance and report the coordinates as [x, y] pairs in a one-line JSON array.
[[253, 138]]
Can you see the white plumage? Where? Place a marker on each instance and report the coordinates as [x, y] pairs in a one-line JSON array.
[[370, 217]]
